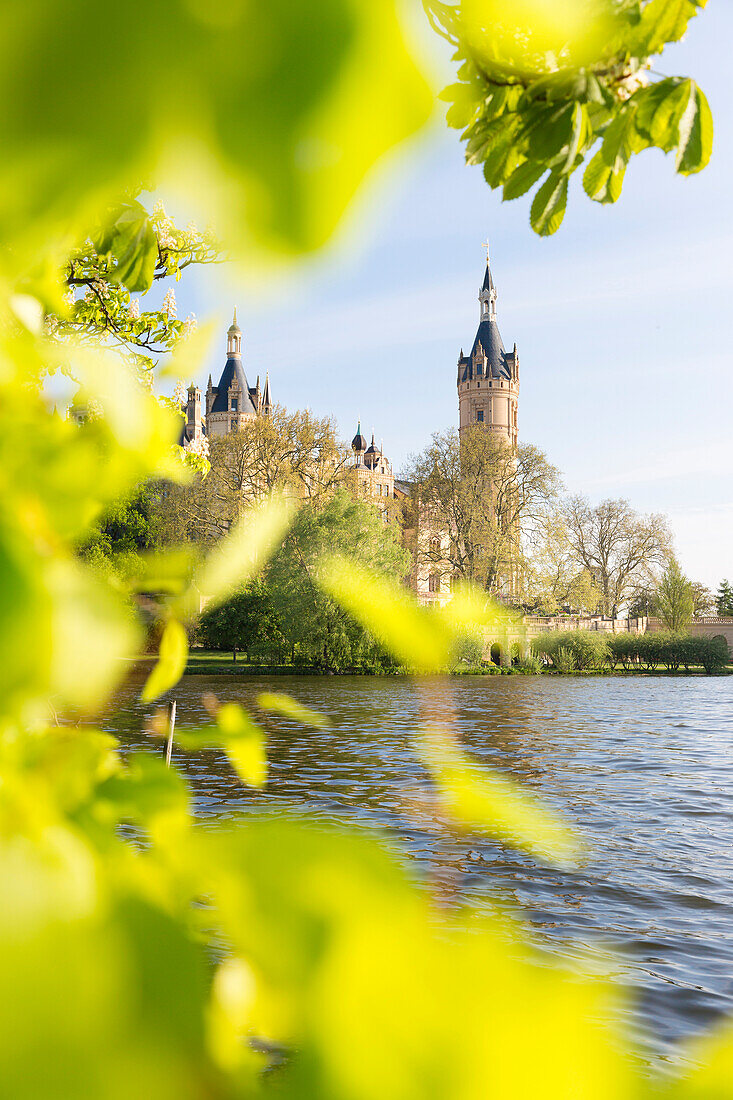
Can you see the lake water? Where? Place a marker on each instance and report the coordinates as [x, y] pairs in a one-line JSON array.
[[641, 767]]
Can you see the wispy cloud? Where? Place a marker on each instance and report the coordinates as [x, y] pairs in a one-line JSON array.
[[673, 465]]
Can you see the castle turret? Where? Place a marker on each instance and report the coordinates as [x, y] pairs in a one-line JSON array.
[[231, 402], [358, 446], [266, 407], [488, 377], [194, 422]]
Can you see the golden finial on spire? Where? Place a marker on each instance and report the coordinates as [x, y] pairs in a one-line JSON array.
[[485, 244], [235, 313]]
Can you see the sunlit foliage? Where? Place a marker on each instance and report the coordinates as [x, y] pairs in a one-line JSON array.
[[141, 955], [547, 84]]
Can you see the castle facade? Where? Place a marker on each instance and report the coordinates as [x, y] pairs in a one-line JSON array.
[[488, 394]]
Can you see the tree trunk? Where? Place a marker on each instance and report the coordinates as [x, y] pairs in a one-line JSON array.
[[234, 655]]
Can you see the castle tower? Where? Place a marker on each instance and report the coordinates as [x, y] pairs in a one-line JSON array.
[[232, 401], [374, 473], [488, 378], [359, 446], [194, 423]]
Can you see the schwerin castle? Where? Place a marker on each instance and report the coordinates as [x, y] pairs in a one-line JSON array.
[[488, 394]]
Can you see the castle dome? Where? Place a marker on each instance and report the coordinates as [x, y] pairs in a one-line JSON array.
[[359, 443]]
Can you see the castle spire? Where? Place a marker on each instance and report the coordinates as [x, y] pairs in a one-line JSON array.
[[234, 337], [487, 294]]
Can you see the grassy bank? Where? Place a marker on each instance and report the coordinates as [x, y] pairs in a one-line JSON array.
[[204, 662]]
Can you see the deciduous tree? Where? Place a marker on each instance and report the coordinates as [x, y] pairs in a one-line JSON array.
[[620, 548], [310, 619], [553, 580], [675, 598], [297, 453], [479, 497], [247, 620]]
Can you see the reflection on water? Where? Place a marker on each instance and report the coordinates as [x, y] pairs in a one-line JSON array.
[[643, 768]]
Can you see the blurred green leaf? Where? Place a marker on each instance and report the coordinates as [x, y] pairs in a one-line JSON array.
[[171, 663], [711, 1075], [543, 82], [548, 205], [278, 703], [389, 612], [243, 552], [147, 792], [479, 800], [131, 239], [244, 744], [696, 134], [282, 141]]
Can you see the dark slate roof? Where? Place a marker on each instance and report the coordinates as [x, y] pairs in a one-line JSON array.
[[359, 443], [489, 337], [232, 371], [488, 283], [404, 487]]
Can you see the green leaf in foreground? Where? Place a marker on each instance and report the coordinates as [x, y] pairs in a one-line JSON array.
[[243, 552], [172, 656], [388, 612], [279, 703], [548, 205], [244, 744], [696, 134], [479, 800]]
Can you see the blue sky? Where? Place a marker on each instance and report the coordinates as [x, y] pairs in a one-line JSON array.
[[622, 319]]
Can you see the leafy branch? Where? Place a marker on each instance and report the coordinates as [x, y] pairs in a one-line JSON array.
[[541, 92]]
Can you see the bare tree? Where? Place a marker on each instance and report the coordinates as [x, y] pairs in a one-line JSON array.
[[295, 453], [473, 500], [552, 579], [621, 549]]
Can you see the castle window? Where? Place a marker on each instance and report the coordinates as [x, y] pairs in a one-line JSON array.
[[480, 416], [434, 582], [235, 404], [479, 368]]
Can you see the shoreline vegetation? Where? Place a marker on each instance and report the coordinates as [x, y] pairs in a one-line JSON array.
[[218, 663]]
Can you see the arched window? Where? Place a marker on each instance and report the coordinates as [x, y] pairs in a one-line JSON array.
[[434, 582]]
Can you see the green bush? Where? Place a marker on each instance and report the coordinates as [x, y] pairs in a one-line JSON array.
[[529, 666], [710, 653], [572, 650], [622, 648]]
